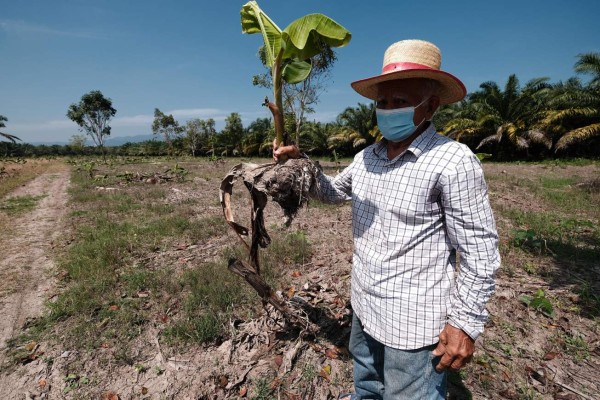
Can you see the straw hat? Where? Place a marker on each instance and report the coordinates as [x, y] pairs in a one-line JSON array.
[[413, 59]]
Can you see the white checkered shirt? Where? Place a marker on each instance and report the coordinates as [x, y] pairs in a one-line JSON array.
[[410, 216]]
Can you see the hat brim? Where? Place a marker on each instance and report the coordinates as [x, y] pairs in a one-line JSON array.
[[451, 88]]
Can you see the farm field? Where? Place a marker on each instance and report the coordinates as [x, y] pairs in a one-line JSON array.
[[114, 284]]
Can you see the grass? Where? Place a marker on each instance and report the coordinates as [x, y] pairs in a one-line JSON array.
[[20, 204], [123, 269], [140, 257]]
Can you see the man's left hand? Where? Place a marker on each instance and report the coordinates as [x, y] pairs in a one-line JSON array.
[[455, 347]]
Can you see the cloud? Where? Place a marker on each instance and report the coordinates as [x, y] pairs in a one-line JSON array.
[[22, 27], [196, 113], [135, 120]]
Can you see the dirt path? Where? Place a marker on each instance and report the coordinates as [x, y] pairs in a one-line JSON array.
[[26, 263]]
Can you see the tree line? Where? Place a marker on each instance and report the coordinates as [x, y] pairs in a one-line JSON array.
[[511, 122]]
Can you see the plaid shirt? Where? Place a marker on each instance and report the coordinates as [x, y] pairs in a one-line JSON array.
[[410, 217]]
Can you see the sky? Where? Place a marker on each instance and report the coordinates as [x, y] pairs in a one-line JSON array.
[[190, 58]]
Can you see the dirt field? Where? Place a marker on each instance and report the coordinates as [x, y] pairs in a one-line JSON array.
[[524, 353]]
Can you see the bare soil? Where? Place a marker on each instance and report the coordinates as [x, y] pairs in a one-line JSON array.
[[522, 354]]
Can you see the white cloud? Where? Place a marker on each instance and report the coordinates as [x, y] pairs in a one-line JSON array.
[[22, 27], [135, 120], [196, 113]]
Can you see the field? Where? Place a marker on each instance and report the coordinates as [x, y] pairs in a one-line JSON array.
[[114, 284]]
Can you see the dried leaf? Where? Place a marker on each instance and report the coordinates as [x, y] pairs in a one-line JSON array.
[[551, 355], [325, 372], [290, 292], [333, 353], [222, 381], [164, 318], [42, 382], [296, 274], [110, 395], [30, 346], [243, 391], [291, 396], [510, 394], [278, 359]]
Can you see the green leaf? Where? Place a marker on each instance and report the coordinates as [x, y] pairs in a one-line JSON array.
[[254, 20], [304, 38], [296, 71]]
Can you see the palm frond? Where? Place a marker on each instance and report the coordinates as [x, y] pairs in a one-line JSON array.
[[10, 137], [578, 135], [489, 139], [556, 116], [539, 136]]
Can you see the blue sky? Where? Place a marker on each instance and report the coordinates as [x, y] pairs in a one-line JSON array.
[[189, 58]]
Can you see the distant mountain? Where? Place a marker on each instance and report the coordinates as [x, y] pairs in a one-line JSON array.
[[110, 142], [118, 141]]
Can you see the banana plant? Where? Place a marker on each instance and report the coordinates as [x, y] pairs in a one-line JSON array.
[[288, 52]]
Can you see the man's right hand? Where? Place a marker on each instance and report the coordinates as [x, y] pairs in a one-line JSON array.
[[291, 151]]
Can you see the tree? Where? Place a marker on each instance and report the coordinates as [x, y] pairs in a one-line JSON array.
[[77, 143], [232, 134], [359, 124], [166, 126], [574, 109], [93, 114], [502, 118], [8, 136], [258, 137], [200, 135], [193, 135], [288, 52]]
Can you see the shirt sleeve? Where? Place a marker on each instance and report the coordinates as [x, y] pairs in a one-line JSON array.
[[336, 189], [472, 232]]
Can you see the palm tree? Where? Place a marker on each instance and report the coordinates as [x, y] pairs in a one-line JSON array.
[[503, 118], [8, 136], [315, 137], [574, 109], [357, 128]]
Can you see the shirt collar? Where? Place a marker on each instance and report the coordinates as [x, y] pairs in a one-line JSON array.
[[416, 147]]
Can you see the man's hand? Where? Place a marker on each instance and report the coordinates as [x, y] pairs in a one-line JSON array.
[[455, 347], [291, 151]]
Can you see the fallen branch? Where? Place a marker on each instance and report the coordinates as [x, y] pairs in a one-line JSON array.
[[268, 295]]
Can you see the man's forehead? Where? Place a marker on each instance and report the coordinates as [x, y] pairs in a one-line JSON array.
[[401, 86]]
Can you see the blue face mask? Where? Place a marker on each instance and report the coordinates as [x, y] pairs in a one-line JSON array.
[[397, 124]]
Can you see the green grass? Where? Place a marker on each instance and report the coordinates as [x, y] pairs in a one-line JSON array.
[[113, 288], [20, 204]]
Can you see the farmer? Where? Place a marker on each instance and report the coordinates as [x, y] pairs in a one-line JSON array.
[[418, 200]]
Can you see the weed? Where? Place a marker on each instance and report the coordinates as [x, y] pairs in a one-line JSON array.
[[528, 238], [262, 390], [539, 302], [574, 345], [530, 268], [588, 297], [308, 372], [507, 349], [20, 204], [528, 393], [140, 368], [74, 381]]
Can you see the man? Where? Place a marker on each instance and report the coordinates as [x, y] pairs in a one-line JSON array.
[[418, 199]]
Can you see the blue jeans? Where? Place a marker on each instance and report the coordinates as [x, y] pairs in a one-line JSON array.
[[385, 373]]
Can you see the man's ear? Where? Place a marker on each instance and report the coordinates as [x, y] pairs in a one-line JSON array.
[[433, 104]]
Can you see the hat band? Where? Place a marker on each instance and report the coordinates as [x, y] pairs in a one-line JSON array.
[[399, 66]]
